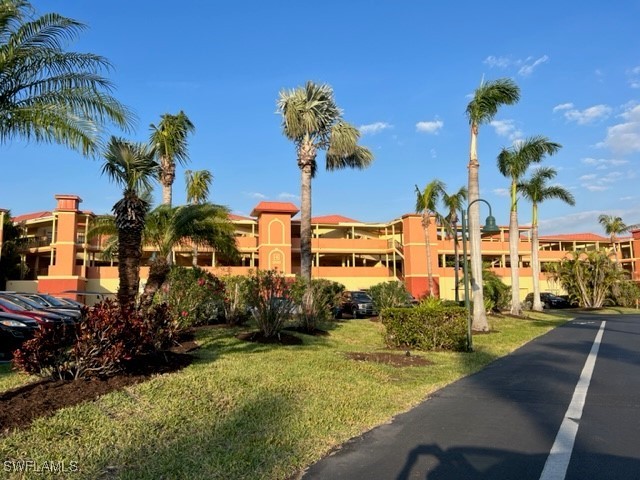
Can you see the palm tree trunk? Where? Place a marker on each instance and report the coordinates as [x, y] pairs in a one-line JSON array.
[[514, 237], [305, 222], [480, 322], [157, 275], [427, 243], [167, 176], [129, 255], [535, 261], [456, 255]]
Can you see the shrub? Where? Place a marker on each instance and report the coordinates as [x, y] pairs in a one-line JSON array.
[[101, 345], [497, 295], [426, 327], [625, 293], [194, 296], [236, 309], [314, 304], [269, 300], [390, 294]]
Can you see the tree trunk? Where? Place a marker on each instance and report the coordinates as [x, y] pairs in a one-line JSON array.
[[535, 262], [157, 275], [129, 255], [306, 159], [514, 237], [427, 243], [456, 261], [167, 177], [480, 322]]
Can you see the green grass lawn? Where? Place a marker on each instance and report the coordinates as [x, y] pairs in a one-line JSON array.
[[244, 410]]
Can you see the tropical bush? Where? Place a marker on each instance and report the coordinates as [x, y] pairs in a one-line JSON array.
[[314, 301], [236, 308], [194, 296], [270, 301], [625, 293], [390, 294], [430, 326], [101, 345], [497, 295]]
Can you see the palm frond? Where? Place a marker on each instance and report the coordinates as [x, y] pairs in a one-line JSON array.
[[344, 151], [488, 97]]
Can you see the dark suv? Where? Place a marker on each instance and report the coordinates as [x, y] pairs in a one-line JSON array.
[[549, 300], [356, 304]]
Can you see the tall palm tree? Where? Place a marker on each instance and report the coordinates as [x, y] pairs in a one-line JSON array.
[[426, 204], [48, 94], [132, 166], [198, 184], [536, 190], [169, 141], [513, 163], [614, 226], [487, 98], [313, 121], [453, 203], [167, 227]]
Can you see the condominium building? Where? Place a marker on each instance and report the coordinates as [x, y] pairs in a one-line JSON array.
[[60, 259]]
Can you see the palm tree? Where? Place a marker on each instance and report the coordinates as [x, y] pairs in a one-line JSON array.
[[513, 163], [169, 141], [198, 184], [453, 203], [313, 121], [132, 166], [50, 95], [426, 201], [536, 190], [482, 109], [202, 224], [614, 226]]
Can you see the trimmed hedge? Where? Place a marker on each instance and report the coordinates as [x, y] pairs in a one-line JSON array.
[[426, 327]]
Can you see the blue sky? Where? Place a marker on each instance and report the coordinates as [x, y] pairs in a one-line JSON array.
[[403, 72]]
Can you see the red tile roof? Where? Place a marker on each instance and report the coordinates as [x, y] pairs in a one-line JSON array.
[[233, 216], [31, 216], [275, 207], [333, 219], [578, 237]]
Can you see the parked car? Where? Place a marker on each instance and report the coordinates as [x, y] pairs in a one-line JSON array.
[[32, 301], [356, 304], [14, 331], [549, 300], [50, 301], [45, 319]]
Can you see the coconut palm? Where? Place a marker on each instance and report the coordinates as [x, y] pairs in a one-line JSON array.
[[453, 203], [48, 94], [536, 190], [169, 141], [167, 227], [488, 97], [313, 121], [426, 204], [614, 226], [513, 163], [198, 184], [132, 166]]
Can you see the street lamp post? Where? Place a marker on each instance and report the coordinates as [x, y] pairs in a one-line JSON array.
[[489, 227]]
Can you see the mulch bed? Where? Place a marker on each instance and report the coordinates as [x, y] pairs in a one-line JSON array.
[[20, 406], [393, 359]]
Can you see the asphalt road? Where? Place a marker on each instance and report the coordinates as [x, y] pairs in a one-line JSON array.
[[502, 422]]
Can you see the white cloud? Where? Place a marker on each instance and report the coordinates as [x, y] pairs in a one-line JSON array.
[[498, 62], [591, 176], [288, 196], [586, 116], [258, 195], [506, 128], [603, 163], [373, 128], [562, 106], [627, 198], [430, 127], [624, 138], [634, 77], [528, 68], [433, 152], [501, 192], [596, 188]]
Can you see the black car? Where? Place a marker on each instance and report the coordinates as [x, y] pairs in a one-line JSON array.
[[14, 331], [356, 304], [549, 300]]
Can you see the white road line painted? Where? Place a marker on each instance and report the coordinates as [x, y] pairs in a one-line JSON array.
[[556, 466]]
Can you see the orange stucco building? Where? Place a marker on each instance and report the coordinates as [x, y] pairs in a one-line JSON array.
[[59, 258]]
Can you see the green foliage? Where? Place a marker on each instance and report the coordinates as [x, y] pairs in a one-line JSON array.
[[194, 296], [270, 301], [391, 294], [100, 346], [625, 293], [236, 308], [496, 293], [314, 301], [426, 327]]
